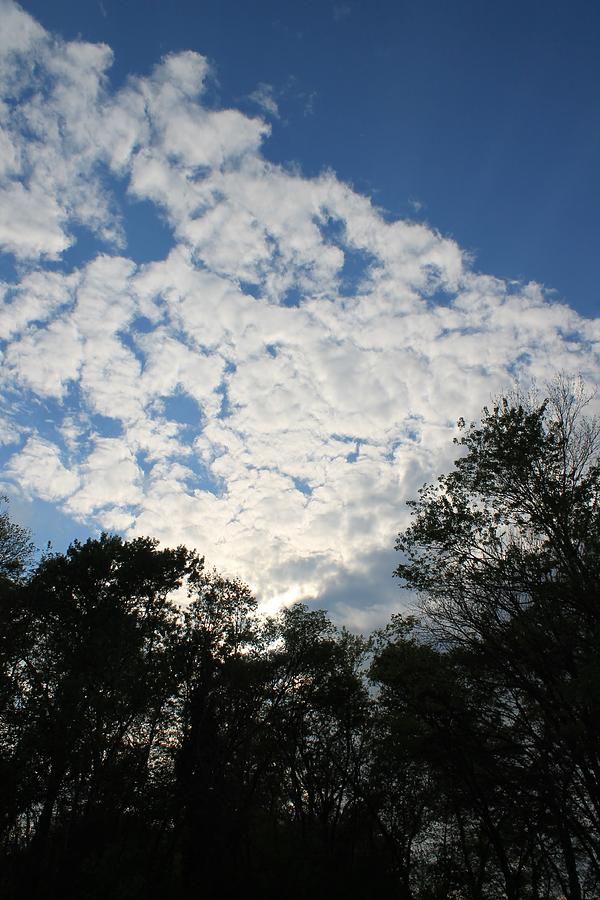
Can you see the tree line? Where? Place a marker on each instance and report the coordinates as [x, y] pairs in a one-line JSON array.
[[156, 749]]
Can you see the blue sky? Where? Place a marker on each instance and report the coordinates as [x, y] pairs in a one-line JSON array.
[[486, 115], [258, 258]]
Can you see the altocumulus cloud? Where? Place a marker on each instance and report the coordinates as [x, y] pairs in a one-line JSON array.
[[273, 389]]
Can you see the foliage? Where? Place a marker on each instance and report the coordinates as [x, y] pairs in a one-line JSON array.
[[504, 553], [16, 547]]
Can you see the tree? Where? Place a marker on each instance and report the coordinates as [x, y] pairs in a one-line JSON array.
[[16, 551], [317, 716], [83, 727], [220, 698], [504, 552], [16, 547], [469, 825]]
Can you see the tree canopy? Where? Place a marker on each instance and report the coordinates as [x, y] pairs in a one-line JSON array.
[[16, 546], [503, 552]]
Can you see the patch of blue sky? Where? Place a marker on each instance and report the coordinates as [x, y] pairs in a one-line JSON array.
[[293, 297], [200, 478], [179, 333], [250, 288], [142, 324], [106, 426], [573, 337], [352, 457], [333, 230], [390, 454], [346, 438], [225, 410], [411, 434], [439, 296], [303, 486], [85, 247], [199, 172], [358, 263], [42, 416], [353, 454], [23, 89], [127, 338], [148, 237], [46, 417], [6, 452], [9, 273], [145, 464], [183, 409], [357, 268], [522, 361], [48, 523], [148, 234], [48, 430], [223, 389]]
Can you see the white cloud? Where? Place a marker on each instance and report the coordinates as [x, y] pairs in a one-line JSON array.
[[37, 297], [263, 97], [31, 222], [39, 471], [46, 359], [20, 34], [110, 482], [54, 93], [323, 401]]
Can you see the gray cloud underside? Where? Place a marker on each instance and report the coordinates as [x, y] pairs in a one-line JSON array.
[[327, 350]]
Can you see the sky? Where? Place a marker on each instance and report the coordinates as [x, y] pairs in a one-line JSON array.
[[257, 259]]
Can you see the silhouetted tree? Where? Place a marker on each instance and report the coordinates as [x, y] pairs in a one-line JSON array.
[[504, 552], [319, 718], [16, 546], [220, 696], [93, 680]]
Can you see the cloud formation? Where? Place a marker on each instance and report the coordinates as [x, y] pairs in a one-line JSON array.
[[276, 386]]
